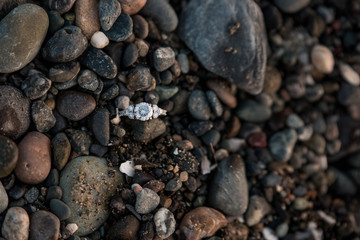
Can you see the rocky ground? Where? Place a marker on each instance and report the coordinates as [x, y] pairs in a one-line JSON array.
[[260, 140]]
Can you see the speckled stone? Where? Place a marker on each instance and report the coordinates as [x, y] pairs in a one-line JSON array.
[[16, 224]]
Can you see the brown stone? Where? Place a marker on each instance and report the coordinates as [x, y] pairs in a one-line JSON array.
[[258, 139], [132, 6], [202, 222], [44, 225], [223, 92], [34, 158], [272, 82], [87, 16]]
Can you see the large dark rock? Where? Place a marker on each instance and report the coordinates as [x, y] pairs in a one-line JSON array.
[[229, 39]]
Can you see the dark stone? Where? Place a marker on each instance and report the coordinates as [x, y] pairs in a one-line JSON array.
[[61, 6], [56, 21], [53, 178], [42, 116], [44, 225], [229, 191], [98, 150], [126, 228], [35, 85], [17, 191], [140, 79], [80, 141], [98, 61], [60, 209], [88, 80], [8, 156], [163, 58], [64, 72], [100, 125], [31, 195], [53, 192], [235, 45], [198, 105], [130, 56], [141, 27], [65, 45], [110, 93], [273, 18], [121, 29], [201, 127], [109, 11], [252, 111], [148, 130], [211, 138]]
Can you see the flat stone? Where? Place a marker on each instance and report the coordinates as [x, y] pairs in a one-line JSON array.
[[61, 149], [60, 209], [166, 92], [87, 16], [88, 184], [16, 224], [8, 156], [235, 45], [229, 191], [44, 225], [146, 201], [109, 11], [22, 33], [121, 29], [162, 13]]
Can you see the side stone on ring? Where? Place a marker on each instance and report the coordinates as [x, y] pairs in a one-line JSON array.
[[142, 111]]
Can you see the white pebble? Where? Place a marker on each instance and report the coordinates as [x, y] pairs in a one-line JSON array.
[[164, 222], [128, 168], [349, 74], [99, 40], [72, 228], [322, 58]]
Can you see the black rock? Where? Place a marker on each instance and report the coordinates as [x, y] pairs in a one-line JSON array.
[[126, 228], [109, 11], [148, 130], [121, 29], [146, 231], [61, 6], [56, 21], [140, 79], [98, 150], [141, 27], [31, 195], [201, 127], [229, 191], [100, 125], [60, 209], [110, 93], [88, 80], [67, 44], [53, 192], [8, 156], [130, 56], [98, 61], [64, 72], [272, 16], [44, 225], [80, 141], [234, 47], [53, 178], [42, 116], [60, 123], [198, 105]]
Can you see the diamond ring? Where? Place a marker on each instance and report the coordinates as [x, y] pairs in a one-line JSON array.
[[142, 111]]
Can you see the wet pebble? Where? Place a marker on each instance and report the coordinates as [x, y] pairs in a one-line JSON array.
[[132, 7], [15, 112], [9, 154], [141, 26], [198, 105], [121, 29], [100, 125], [75, 105], [130, 55], [42, 116], [44, 225], [65, 45], [61, 6], [99, 40], [199, 128], [16, 224], [291, 6], [146, 201], [258, 208], [252, 111], [4, 199], [202, 222], [87, 16], [162, 13], [34, 158], [155, 185], [17, 191], [35, 85], [98, 61], [142, 46], [87, 185], [273, 80], [229, 178], [31, 195], [148, 130], [173, 185], [60, 209], [64, 72], [122, 102], [88, 80], [109, 11], [281, 144], [110, 93], [163, 58], [126, 228], [164, 223], [22, 33], [140, 79], [349, 74], [183, 62], [215, 104], [322, 58]]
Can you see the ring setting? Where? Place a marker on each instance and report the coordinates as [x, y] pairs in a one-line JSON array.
[[142, 111]]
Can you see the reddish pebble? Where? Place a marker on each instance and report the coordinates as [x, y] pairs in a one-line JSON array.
[[202, 222], [34, 158], [258, 140], [132, 6]]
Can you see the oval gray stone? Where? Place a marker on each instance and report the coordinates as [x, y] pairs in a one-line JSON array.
[[234, 44], [198, 105], [22, 32], [282, 143], [88, 184]]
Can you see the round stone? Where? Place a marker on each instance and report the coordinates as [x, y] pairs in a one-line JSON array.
[[22, 33], [141, 26], [35, 85], [282, 143], [140, 79], [126, 228], [291, 6], [61, 6], [61, 150], [99, 40], [146, 201], [162, 13], [121, 29], [44, 225], [8, 156], [252, 111], [4, 199], [148, 130], [164, 222], [16, 224], [130, 56], [164, 58], [322, 59], [88, 80], [42, 116], [34, 158], [60, 209], [109, 11]]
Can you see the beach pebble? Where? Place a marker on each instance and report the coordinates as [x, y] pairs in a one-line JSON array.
[[272, 82], [198, 105], [164, 222], [166, 92], [252, 111], [4, 199], [88, 80], [60, 209], [31, 195], [8, 156], [130, 55], [121, 29], [148, 130], [215, 103], [162, 13], [35, 85], [222, 92], [322, 58], [294, 121], [56, 21], [258, 208], [141, 26], [61, 149], [16, 224], [140, 79], [146, 201], [44, 225], [126, 228], [22, 33], [64, 72], [99, 40], [132, 7], [164, 58], [100, 125], [109, 11], [281, 144], [349, 74], [61, 6], [291, 6], [34, 158], [53, 192], [80, 141], [87, 16], [202, 222], [42, 116]]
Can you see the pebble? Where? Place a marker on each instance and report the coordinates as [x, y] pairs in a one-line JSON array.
[[80, 141], [252, 111], [87, 16], [87, 186], [198, 105], [146, 131], [271, 180], [130, 55], [163, 58], [31, 195], [199, 128], [16, 224], [282, 143], [122, 102], [272, 17], [202, 222], [322, 59], [295, 87], [53, 192], [301, 204], [53, 178], [173, 185], [223, 92], [141, 27], [65, 45], [98, 61], [42, 116], [100, 125], [349, 74], [60, 209], [142, 46], [88, 80], [316, 143], [229, 178], [294, 121], [110, 93], [34, 158], [4, 199], [109, 11], [121, 29], [132, 7], [291, 6], [215, 103], [17, 191], [140, 79], [61, 149], [162, 13], [257, 139], [164, 223], [35, 85], [75, 105], [44, 225], [211, 138], [258, 208], [166, 92], [226, 48], [126, 228], [282, 230], [183, 62], [99, 40], [146, 201], [8, 156], [55, 20], [64, 72], [61, 6], [22, 33], [305, 133], [273, 80]]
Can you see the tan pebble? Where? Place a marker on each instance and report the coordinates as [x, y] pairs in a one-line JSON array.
[[34, 158], [322, 58], [176, 169], [142, 47], [223, 92], [184, 176], [99, 40], [132, 7], [87, 16], [165, 201], [136, 188], [202, 222], [50, 103], [16, 224], [349, 74]]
